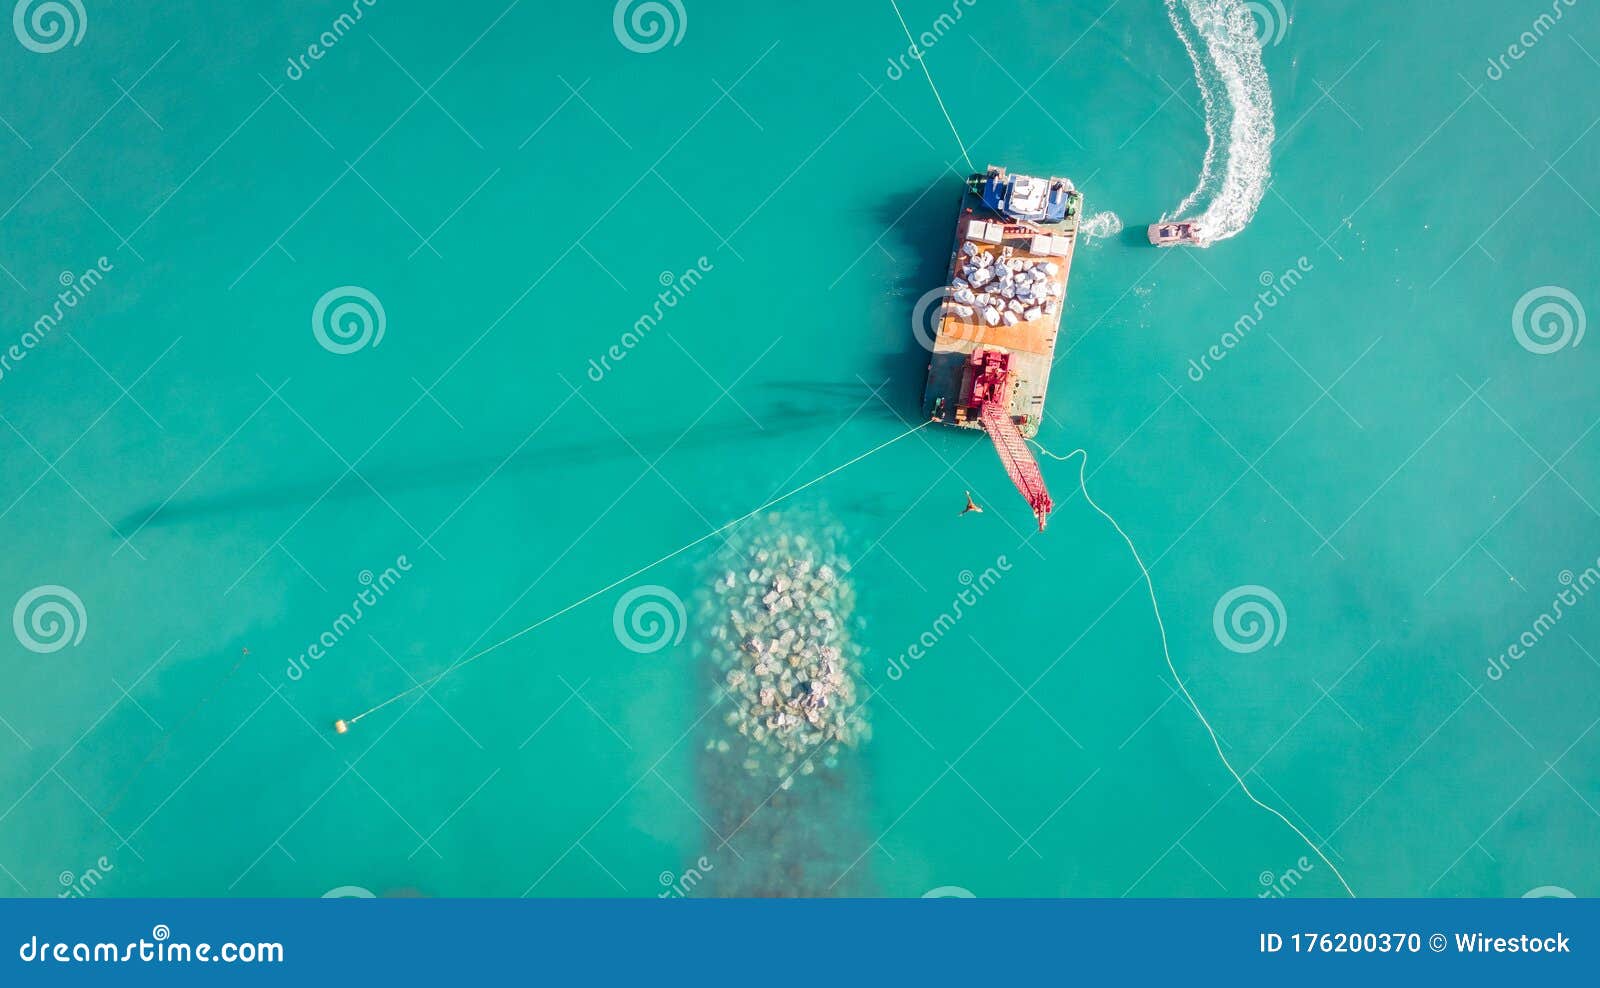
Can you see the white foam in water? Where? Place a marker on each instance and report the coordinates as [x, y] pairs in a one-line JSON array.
[[1100, 226], [1238, 110]]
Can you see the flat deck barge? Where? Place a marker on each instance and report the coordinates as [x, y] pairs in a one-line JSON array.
[[997, 329]]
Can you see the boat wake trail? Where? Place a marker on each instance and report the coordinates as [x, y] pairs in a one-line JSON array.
[[1083, 483], [1100, 226], [1222, 41]]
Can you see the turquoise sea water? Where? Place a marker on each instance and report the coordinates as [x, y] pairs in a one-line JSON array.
[[510, 182]]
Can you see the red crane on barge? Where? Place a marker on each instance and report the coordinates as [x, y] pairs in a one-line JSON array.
[[987, 398]]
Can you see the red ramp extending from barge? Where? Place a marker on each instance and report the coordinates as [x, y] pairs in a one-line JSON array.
[[1019, 461], [986, 396]]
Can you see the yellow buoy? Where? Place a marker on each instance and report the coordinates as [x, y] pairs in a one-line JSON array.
[[340, 727]]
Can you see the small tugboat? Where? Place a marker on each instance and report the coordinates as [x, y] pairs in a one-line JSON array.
[[1176, 234]]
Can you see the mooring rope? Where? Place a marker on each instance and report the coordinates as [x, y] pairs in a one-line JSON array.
[[917, 53], [424, 684], [1166, 650]]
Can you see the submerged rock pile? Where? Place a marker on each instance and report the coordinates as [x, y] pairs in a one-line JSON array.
[[779, 615]]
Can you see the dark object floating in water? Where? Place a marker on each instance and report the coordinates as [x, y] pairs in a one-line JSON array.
[[1176, 234]]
